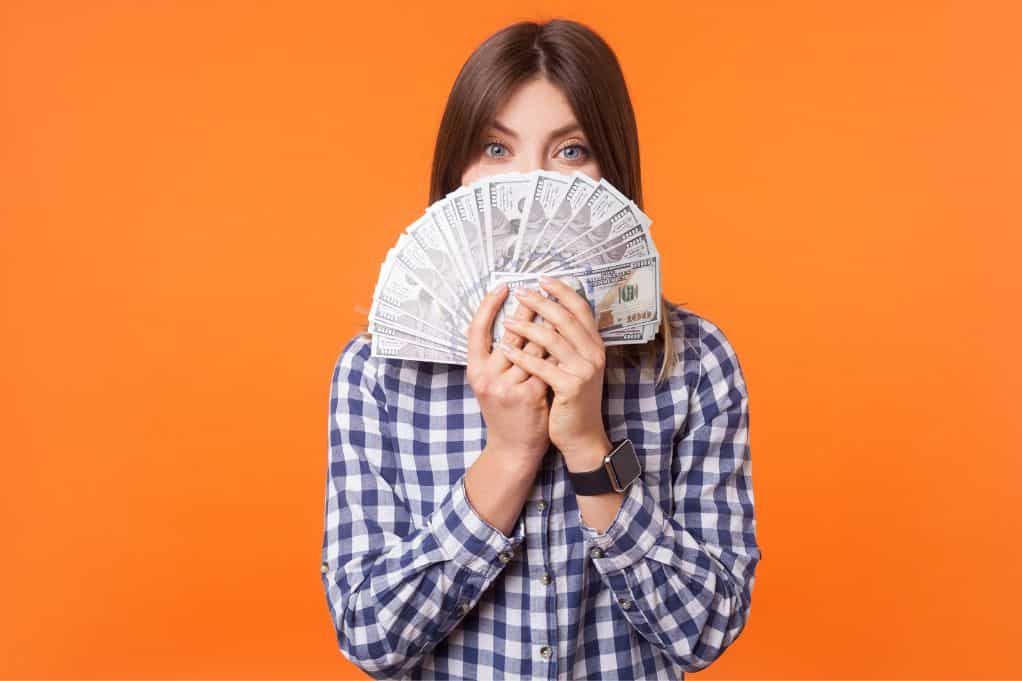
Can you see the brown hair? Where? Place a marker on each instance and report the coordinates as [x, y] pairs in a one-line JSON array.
[[578, 61]]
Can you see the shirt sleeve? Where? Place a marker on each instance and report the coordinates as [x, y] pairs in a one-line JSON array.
[[394, 588], [684, 580]]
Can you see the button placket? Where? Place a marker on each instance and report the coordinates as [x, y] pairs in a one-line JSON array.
[[546, 483]]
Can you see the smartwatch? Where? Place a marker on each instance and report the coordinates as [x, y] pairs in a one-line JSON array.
[[620, 468]]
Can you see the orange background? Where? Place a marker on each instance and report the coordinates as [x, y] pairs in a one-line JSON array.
[[195, 199]]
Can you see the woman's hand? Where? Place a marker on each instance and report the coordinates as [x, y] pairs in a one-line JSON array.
[[513, 402], [574, 369]]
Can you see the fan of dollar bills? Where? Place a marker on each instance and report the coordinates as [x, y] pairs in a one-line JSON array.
[[511, 228]]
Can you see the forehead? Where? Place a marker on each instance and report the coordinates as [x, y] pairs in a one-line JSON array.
[[536, 106]]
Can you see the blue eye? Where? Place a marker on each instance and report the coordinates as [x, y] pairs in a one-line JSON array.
[[486, 148], [583, 152]]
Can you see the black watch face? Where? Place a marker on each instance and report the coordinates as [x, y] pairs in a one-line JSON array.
[[625, 464]]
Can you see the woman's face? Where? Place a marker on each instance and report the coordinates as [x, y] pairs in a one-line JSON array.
[[535, 129]]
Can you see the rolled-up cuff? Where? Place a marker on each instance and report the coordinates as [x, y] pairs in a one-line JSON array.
[[638, 525], [467, 538]]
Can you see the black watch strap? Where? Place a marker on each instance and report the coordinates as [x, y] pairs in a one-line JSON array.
[[620, 462]]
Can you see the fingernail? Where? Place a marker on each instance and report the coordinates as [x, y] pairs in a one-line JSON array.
[[499, 289], [523, 293], [544, 279], [506, 348], [510, 322]]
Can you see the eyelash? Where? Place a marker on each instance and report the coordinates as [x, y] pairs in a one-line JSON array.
[[584, 148]]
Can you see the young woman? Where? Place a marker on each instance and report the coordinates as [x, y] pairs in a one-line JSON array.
[[472, 529]]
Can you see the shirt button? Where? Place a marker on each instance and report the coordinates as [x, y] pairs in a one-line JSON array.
[[464, 608], [546, 579], [541, 505], [597, 552], [546, 652], [625, 604], [505, 556], [324, 568]]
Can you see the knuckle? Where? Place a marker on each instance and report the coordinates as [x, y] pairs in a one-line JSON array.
[[502, 395], [522, 311]]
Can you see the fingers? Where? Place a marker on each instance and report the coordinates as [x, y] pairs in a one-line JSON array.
[[515, 373], [499, 361], [522, 314], [535, 382], [480, 331], [480, 334], [583, 340], [528, 385], [571, 299], [565, 384], [560, 349]]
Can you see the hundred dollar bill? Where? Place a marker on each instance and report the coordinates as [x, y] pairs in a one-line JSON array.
[[392, 347], [437, 249], [628, 334], [505, 203], [601, 235], [599, 206], [629, 245], [456, 242], [398, 286], [401, 334], [515, 281], [415, 259], [463, 218], [579, 189], [621, 295], [479, 194], [633, 341], [632, 334], [383, 313], [546, 193]]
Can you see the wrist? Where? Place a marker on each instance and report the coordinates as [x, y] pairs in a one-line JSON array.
[[586, 455], [511, 463]]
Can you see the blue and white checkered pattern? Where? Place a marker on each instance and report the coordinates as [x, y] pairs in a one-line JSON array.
[[420, 586]]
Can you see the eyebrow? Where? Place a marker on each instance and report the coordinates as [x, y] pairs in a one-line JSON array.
[[563, 130]]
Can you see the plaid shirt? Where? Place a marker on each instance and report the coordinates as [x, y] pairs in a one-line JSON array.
[[420, 586]]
